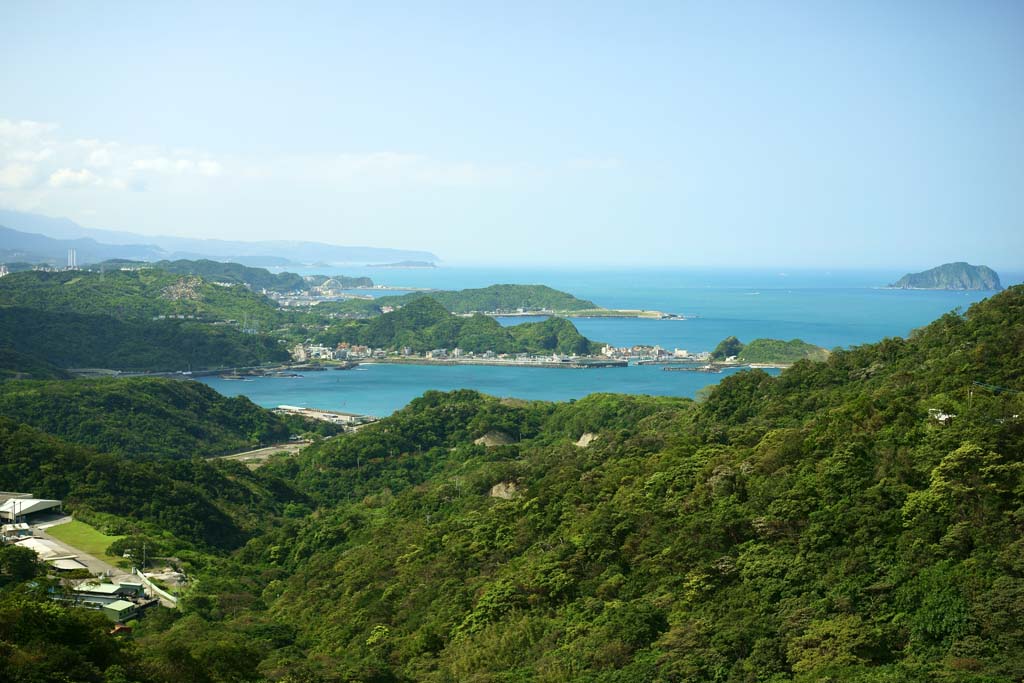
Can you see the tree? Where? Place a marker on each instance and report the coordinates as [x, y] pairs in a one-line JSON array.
[[730, 346]]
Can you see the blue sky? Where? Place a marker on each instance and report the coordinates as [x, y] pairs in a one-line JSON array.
[[784, 134]]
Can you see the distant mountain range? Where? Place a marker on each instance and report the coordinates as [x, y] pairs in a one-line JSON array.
[[952, 276], [36, 238]]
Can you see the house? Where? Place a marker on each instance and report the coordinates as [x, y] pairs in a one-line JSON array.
[[120, 610], [111, 590], [13, 532]]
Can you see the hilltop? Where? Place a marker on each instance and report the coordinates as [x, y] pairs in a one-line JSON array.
[[135, 294], [768, 351], [500, 299], [424, 324], [146, 319], [955, 276]]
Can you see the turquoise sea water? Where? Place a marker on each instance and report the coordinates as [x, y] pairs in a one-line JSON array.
[[382, 389], [829, 309]]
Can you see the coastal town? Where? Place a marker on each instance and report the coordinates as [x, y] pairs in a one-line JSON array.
[[610, 356]]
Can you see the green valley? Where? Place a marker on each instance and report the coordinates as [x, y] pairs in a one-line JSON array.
[[819, 525]]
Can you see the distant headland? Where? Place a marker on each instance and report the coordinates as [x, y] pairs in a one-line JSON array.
[[404, 264], [952, 276]]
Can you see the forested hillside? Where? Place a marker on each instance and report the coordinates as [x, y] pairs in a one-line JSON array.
[[138, 294], [768, 351], [194, 503], [142, 419], [499, 298], [14, 365], [73, 340], [819, 525], [148, 319], [424, 324]]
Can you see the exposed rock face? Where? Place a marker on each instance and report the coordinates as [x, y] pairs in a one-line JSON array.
[[505, 490], [954, 276], [491, 439], [586, 439]]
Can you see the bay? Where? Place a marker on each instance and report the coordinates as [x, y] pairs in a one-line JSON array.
[[830, 309], [380, 389]]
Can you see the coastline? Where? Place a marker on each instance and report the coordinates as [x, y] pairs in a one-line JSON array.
[[576, 364], [585, 313]]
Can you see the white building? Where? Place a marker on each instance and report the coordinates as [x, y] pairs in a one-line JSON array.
[[17, 509]]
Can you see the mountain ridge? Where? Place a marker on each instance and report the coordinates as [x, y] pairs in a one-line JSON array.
[[256, 253]]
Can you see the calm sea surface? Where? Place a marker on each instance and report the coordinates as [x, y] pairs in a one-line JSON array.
[[829, 309]]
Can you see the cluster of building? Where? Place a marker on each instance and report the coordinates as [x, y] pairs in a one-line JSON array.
[[22, 507], [332, 416], [119, 601], [175, 316], [653, 353], [328, 291], [302, 353]]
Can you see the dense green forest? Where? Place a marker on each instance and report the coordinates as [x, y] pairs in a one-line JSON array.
[[503, 298], [768, 351], [74, 340], [255, 278], [14, 365], [148, 319], [779, 351], [236, 273], [424, 324], [183, 505], [138, 294], [507, 298], [184, 315], [819, 525], [143, 418]]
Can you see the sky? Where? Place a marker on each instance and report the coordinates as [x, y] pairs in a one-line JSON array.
[[795, 134]]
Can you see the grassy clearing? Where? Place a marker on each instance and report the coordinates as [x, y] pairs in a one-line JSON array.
[[84, 537]]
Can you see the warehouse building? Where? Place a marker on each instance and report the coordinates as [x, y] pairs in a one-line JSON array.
[[22, 507]]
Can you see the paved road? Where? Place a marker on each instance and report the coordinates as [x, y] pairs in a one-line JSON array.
[[253, 459]]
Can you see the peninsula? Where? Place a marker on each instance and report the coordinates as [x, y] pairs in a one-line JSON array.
[[959, 276]]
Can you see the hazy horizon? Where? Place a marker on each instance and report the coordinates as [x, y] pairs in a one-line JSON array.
[[863, 136]]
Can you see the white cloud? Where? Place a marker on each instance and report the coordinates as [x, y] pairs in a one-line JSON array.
[[23, 130], [203, 167], [69, 177], [16, 175], [37, 163], [209, 168], [100, 158]]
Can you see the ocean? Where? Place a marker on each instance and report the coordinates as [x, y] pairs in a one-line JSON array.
[[827, 308]]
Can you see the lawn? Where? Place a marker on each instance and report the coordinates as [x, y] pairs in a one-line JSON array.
[[84, 537]]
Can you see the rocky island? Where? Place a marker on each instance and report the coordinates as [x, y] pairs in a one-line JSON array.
[[952, 276]]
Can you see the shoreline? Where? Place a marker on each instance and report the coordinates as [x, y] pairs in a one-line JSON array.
[[578, 364], [585, 313]]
